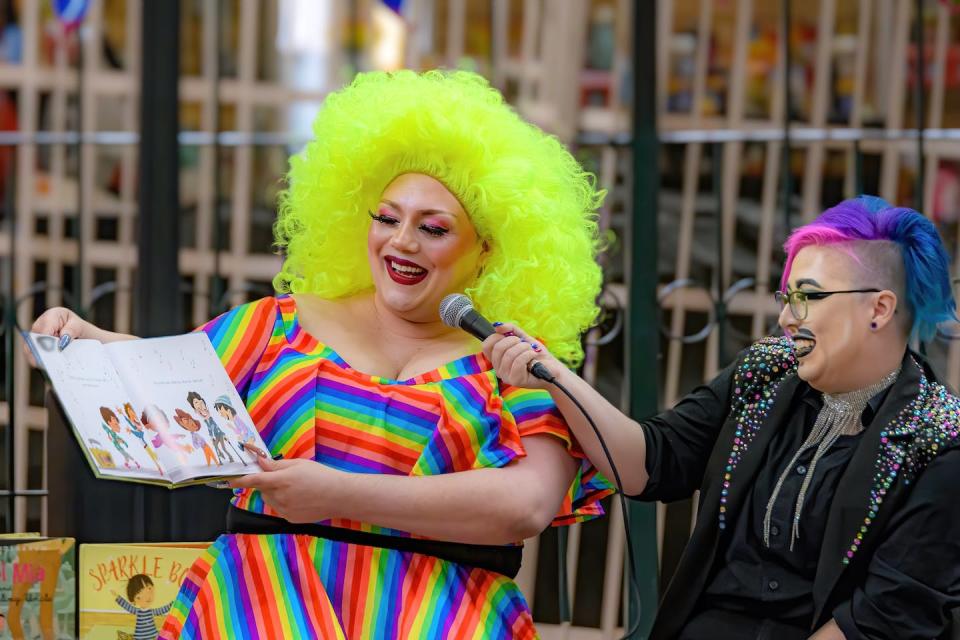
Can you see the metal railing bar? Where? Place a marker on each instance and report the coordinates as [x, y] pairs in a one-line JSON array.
[[777, 134], [920, 72], [126, 138], [669, 136]]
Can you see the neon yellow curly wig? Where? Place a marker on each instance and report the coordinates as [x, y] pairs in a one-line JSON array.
[[526, 195]]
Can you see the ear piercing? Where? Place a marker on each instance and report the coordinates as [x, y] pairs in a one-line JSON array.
[[873, 325]]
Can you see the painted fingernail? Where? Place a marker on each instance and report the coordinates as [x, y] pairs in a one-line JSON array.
[[64, 341], [498, 324], [536, 347], [278, 457], [510, 334]]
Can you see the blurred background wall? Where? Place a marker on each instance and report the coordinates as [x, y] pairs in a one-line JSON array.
[[766, 113]]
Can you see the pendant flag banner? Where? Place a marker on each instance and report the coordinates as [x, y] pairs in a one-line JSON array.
[[70, 12]]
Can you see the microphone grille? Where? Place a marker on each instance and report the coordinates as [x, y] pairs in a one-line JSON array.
[[453, 307]]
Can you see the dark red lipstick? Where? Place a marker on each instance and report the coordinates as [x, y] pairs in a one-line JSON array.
[[403, 271]]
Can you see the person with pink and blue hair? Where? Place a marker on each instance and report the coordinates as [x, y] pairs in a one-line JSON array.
[[898, 232], [827, 458]]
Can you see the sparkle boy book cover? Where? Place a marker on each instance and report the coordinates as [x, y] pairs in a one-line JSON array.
[[126, 590]]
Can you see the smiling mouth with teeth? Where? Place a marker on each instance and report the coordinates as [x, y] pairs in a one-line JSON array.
[[403, 271], [803, 342]]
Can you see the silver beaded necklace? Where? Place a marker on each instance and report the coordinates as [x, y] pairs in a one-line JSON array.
[[839, 416]]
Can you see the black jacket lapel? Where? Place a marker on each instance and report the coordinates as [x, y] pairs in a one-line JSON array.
[[851, 504], [742, 476]]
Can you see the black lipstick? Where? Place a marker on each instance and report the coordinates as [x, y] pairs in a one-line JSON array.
[[808, 344]]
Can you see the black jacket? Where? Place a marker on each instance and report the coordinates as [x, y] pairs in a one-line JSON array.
[[916, 424]]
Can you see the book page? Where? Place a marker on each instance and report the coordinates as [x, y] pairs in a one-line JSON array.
[[94, 397], [192, 409]]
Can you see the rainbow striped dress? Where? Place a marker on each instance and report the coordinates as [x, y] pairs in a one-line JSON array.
[[309, 403]]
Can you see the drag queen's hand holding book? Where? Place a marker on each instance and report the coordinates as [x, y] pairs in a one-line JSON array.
[[159, 410]]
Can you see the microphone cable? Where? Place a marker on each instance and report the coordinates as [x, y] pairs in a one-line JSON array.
[[457, 311], [543, 374]]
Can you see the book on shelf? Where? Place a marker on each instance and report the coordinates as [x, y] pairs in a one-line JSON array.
[[37, 587], [126, 590], [156, 410]]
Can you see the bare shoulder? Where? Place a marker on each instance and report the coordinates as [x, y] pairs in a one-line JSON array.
[[310, 305]]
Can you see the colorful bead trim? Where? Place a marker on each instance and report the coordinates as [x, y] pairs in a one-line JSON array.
[[755, 384], [932, 420]]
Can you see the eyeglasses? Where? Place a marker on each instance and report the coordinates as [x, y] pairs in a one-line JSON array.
[[798, 299]]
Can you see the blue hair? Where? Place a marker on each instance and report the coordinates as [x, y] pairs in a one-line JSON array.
[[926, 266], [925, 260]]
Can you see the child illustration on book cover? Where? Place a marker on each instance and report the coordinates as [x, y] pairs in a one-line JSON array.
[[189, 423], [154, 419], [136, 429], [37, 589], [112, 429], [140, 594], [217, 434]]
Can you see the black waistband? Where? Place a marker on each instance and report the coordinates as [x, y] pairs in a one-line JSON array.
[[505, 560]]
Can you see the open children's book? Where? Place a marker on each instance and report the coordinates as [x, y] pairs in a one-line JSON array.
[[156, 410]]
